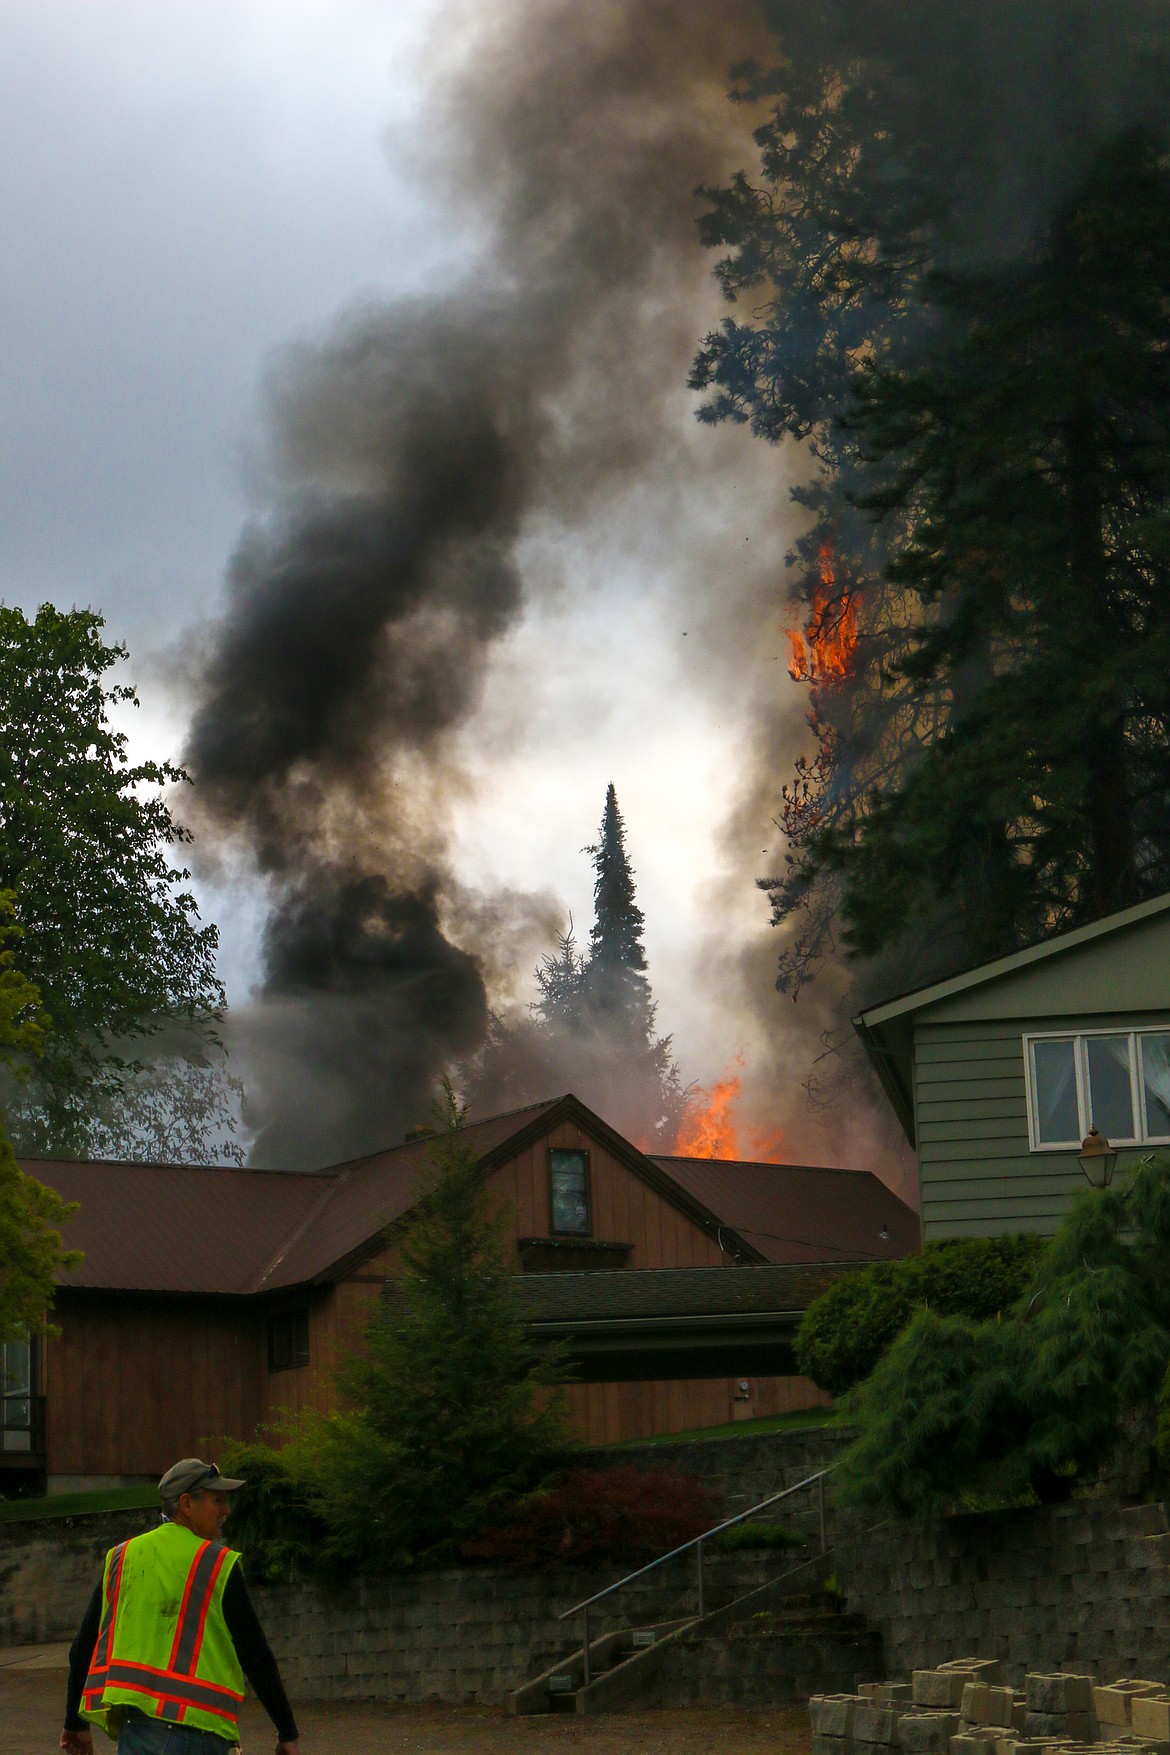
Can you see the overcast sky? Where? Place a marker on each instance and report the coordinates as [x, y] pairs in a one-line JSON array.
[[184, 190]]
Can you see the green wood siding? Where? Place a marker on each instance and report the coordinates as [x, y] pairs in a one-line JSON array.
[[976, 1173], [1083, 982]]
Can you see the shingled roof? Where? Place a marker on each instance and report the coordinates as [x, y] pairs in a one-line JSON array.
[[623, 1295]]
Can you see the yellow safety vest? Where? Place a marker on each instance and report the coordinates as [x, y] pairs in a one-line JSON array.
[[163, 1645]]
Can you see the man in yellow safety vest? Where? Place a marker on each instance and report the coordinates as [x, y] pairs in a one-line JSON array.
[[170, 1636]]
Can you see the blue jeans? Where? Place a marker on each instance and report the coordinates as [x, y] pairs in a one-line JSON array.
[[142, 1735]]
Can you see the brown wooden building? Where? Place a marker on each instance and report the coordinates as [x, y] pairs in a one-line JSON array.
[[211, 1301]]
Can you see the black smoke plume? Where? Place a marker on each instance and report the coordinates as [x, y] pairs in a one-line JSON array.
[[407, 455], [412, 451]]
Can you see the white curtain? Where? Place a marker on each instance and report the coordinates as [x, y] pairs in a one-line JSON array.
[[1156, 1075]]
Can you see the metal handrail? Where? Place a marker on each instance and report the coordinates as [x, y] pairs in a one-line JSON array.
[[696, 1542]]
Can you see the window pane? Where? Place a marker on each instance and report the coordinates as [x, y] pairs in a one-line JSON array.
[[1110, 1093], [1057, 1121], [15, 1389], [1156, 1078], [570, 1195]]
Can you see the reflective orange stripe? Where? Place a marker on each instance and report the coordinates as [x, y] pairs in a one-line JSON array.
[[212, 1696], [99, 1662], [176, 1687]]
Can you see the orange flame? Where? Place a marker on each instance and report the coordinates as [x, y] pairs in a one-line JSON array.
[[823, 651], [709, 1129]]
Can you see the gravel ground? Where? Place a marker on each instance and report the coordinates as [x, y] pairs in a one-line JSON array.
[[30, 1722]]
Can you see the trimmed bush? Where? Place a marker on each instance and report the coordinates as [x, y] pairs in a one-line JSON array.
[[848, 1328], [1033, 1403]]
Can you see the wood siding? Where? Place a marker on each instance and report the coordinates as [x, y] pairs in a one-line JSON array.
[[610, 1413], [133, 1385], [977, 1174]]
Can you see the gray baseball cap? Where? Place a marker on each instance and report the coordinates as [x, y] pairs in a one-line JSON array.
[[193, 1475]]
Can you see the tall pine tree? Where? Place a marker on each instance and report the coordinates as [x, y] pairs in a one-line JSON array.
[[592, 1028], [907, 144], [1024, 471], [614, 976]]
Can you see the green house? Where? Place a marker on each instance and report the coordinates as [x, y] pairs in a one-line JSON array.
[[997, 1074]]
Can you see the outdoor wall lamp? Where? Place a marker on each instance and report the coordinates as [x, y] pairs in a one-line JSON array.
[[1097, 1159]]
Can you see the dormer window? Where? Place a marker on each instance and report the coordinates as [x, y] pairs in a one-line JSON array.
[[569, 1192], [1117, 1081]]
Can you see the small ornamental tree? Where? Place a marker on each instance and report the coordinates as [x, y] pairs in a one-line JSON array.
[[845, 1331], [449, 1412], [1034, 1399]]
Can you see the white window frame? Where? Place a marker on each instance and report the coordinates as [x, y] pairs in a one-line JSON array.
[[1137, 1084]]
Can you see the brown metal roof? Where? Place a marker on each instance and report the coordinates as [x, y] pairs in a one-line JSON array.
[[176, 1228], [800, 1212], [372, 1192]]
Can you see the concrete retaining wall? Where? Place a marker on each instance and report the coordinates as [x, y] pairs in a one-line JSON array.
[[1084, 1584], [48, 1571]]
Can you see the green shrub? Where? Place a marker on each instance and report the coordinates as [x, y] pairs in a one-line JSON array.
[[274, 1520], [1025, 1405], [847, 1330], [754, 1533]]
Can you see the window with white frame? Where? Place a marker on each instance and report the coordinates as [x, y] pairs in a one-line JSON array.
[[1117, 1081]]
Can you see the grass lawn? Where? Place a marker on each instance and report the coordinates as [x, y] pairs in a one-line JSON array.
[[805, 1417], [78, 1504]]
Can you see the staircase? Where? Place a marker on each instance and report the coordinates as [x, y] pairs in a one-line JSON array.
[[783, 1641]]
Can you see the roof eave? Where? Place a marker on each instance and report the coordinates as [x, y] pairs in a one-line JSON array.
[[919, 998]]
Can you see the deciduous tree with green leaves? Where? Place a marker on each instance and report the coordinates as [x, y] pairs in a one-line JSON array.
[[111, 940], [31, 1215]]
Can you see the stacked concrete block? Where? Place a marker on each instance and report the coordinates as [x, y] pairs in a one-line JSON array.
[[928, 1733], [1113, 1704], [1060, 1706], [831, 1717]]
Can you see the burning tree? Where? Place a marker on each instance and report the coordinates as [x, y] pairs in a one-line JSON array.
[[983, 390]]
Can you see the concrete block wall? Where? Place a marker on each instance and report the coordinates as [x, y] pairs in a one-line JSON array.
[[48, 1571], [467, 1634], [1084, 1585]]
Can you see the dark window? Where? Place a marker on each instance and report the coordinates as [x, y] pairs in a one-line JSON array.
[[569, 1184], [288, 1340]]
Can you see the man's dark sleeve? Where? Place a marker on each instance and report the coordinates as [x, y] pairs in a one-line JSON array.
[[80, 1653], [255, 1655]]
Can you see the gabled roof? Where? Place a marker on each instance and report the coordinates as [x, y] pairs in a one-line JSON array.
[[887, 1030], [227, 1231], [920, 997], [371, 1193], [800, 1212]]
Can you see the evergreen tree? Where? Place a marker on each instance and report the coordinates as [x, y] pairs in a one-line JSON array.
[[591, 1029], [904, 144], [1025, 471], [615, 983], [1037, 1398], [449, 1410]]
